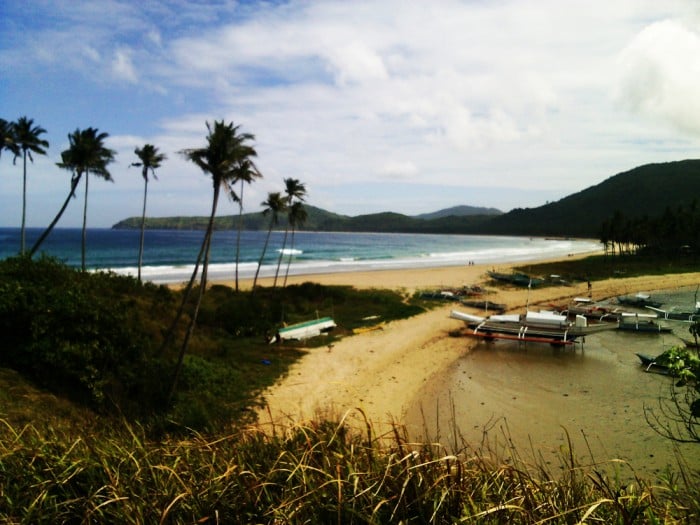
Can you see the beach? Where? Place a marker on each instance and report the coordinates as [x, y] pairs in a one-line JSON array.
[[389, 375]]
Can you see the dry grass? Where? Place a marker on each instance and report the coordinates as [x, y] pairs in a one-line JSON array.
[[319, 472]]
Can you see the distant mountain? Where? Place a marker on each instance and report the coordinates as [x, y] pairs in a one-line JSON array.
[[459, 211], [645, 191], [321, 220]]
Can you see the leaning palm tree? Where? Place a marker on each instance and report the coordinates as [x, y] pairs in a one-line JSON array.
[[149, 160], [219, 158], [274, 205], [27, 138], [245, 173], [86, 154], [297, 216], [294, 191]]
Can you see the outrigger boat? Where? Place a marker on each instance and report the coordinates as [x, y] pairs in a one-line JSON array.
[[672, 315], [536, 327], [639, 300], [305, 330], [642, 323]]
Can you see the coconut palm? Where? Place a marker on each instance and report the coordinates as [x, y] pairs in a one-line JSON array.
[[245, 173], [294, 190], [220, 158], [297, 216], [7, 138], [27, 138], [273, 206], [86, 154], [149, 160]]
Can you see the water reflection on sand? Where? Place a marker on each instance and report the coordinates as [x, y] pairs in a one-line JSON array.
[[530, 394]]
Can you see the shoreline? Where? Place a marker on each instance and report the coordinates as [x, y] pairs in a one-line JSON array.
[[374, 376]]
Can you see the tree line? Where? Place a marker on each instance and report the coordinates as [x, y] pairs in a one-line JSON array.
[[227, 158], [675, 232]]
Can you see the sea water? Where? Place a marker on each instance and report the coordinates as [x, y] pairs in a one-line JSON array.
[[169, 255]]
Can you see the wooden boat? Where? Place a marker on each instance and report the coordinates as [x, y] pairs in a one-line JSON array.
[[673, 315], [537, 327], [591, 310], [641, 323], [650, 364], [485, 305], [306, 329], [518, 279], [639, 300]]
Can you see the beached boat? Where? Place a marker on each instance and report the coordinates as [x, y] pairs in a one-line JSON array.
[[305, 330], [638, 300], [485, 305], [645, 323], [537, 327], [518, 279], [650, 364], [675, 315], [591, 310]]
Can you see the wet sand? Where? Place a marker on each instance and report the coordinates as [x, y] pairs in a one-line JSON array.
[[387, 375]]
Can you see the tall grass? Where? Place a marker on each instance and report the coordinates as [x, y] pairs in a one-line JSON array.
[[320, 472]]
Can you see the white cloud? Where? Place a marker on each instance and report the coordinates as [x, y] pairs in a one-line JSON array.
[[122, 66], [660, 75]]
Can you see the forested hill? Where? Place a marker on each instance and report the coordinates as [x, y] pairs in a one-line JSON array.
[[648, 191], [453, 220]]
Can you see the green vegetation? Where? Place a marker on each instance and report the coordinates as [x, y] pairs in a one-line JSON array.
[[104, 448], [97, 339]]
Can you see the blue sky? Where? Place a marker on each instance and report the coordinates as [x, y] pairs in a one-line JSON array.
[[376, 106]]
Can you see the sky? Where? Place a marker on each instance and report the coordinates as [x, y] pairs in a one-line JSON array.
[[387, 105]]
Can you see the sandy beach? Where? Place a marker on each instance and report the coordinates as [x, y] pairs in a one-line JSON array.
[[381, 371]]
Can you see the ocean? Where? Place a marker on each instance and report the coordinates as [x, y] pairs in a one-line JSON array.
[[169, 255]]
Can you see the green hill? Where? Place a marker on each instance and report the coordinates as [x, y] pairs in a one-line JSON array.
[[645, 191], [322, 220]]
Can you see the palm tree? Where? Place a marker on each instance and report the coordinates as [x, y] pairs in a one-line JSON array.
[[220, 158], [150, 160], [86, 154], [297, 216], [97, 157], [294, 190], [7, 137], [27, 139], [245, 173], [274, 205]]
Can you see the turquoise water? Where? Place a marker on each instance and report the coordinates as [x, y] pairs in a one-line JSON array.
[[169, 255]]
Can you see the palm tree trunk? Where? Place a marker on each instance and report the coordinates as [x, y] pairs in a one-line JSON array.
[[24, 203], [289, 260], [279, 259], [185, 298], [238, 237], [84, 237], [143, 226], [71, 194], [206, 245], [262, 256]]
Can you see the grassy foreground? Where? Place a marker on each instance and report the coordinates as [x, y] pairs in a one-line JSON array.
[[84, 437], [321, 472]]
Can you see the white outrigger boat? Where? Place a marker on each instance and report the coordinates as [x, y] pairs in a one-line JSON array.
[[305, 330], [537, 327]]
